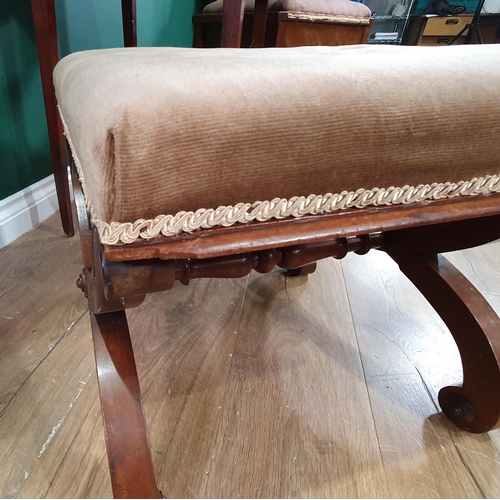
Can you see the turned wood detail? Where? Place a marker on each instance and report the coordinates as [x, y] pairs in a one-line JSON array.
[[302, 271], [475, 406], [136, 278]]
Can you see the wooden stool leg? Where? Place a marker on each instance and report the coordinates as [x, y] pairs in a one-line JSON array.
[[474, 407], [302, 271], [129, 455]]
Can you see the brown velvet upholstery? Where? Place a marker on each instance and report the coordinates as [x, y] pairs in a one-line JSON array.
[[163, 130]]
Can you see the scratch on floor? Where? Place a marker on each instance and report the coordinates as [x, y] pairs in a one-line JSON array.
[[425, 486], [477, 453], [415, 439], [51, 436], [56, 428], [192, 491], [460, 446]]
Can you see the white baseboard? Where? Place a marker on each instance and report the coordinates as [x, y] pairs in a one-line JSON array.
[[24, 210]]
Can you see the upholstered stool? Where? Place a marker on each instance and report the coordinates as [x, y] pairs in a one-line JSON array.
[[292, 23], [214, 163]]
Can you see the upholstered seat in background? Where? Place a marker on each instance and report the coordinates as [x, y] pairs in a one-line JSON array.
[[292, 23], [338, 8]]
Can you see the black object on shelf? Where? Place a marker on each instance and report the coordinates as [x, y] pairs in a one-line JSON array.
[[473, 27]]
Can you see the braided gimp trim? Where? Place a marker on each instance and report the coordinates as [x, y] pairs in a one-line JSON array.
[[326, 18], [187, 222]]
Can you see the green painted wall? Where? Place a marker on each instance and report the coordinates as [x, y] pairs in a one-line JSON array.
[[24, 152], [82, 25]]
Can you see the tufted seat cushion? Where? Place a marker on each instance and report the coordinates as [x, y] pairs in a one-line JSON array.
[[170, 139], [337, 8]]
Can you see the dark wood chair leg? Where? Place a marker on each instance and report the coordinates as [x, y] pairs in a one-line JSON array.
[[44, 18], [259, 24], [474, 407], [129, 22], [232, 23], [129, 455]]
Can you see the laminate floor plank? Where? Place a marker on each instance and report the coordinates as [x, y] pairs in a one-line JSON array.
[[38, 301], [296, 421], [481, 452], [75, 464], [408, 355], [183, 340], [420, 459], [481, 265], [41, 406], [317, 386]]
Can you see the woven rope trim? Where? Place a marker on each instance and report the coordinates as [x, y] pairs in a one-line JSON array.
[[115, 233], [327, 18], [280, 208]]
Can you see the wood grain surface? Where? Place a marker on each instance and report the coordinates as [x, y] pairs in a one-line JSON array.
[[265, 386]]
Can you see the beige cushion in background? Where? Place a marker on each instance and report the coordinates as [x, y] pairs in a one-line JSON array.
[[163, 130], [327, 7]]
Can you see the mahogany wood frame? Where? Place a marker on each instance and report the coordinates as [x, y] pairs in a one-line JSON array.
[[117, 278]]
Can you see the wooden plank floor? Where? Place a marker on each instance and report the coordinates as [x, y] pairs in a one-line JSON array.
[[266, 386]]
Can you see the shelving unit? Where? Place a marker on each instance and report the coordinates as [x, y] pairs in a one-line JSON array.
[[389, 28]]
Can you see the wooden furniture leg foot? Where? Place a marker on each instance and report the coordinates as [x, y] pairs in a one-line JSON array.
[[302, 271], [475, 406], [129, 455]]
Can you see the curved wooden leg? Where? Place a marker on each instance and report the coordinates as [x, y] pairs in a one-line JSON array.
[[127, 446], [474, 407], [129, 455]]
